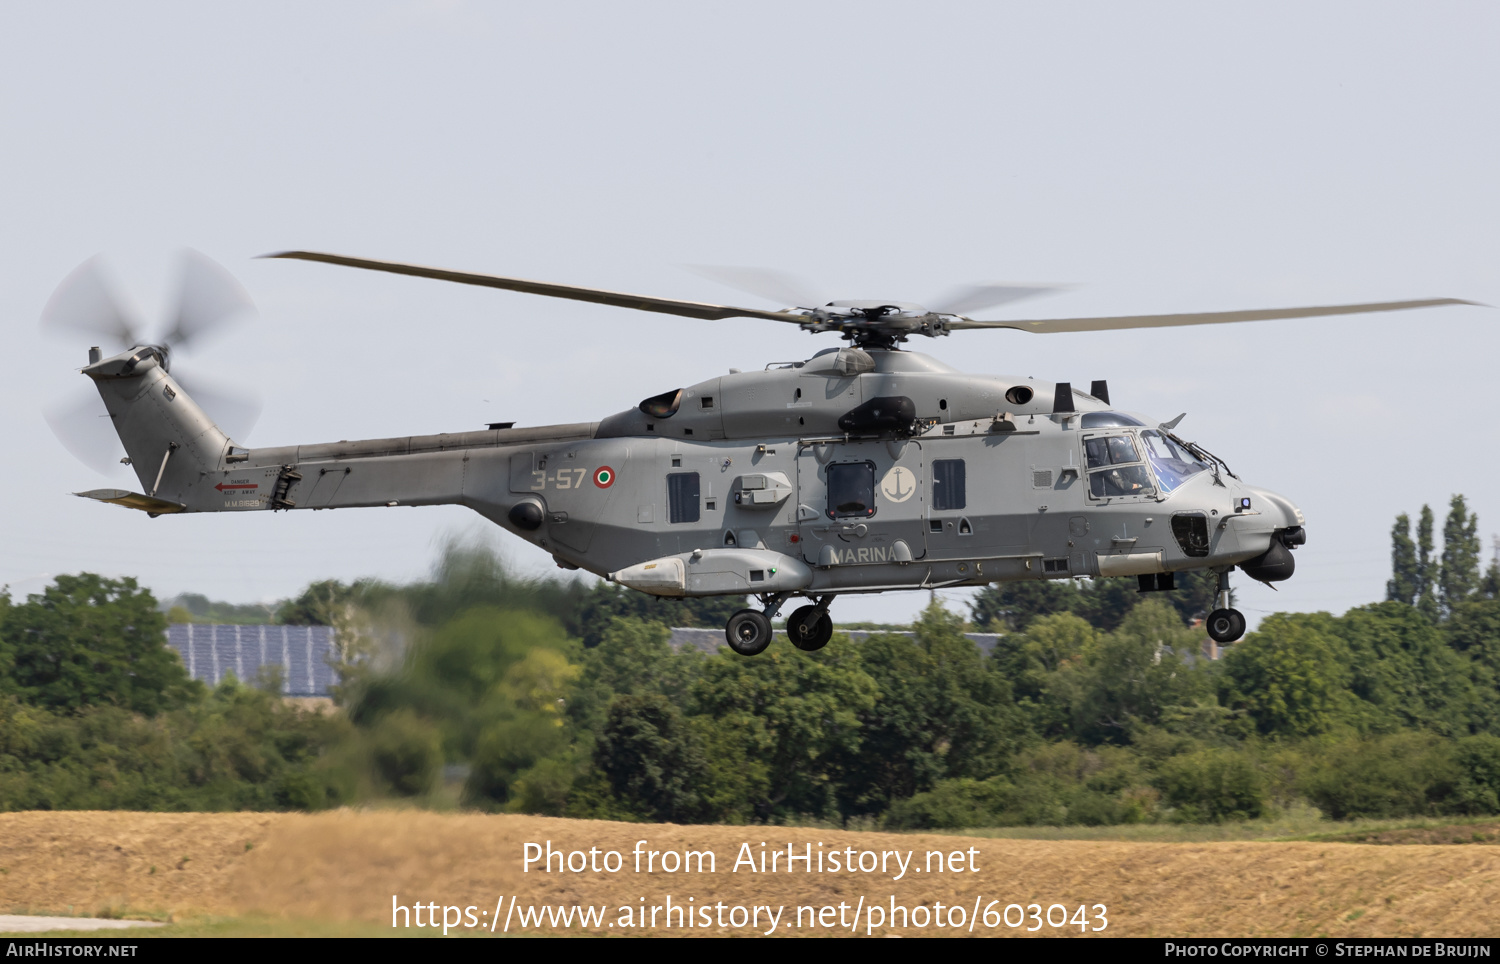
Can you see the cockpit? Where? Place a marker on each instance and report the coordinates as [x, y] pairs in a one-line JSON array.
[[1133, 460]]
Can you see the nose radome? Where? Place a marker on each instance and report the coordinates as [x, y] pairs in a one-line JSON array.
[[1271, 502]]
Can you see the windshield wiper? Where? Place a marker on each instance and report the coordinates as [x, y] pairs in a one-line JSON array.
[[1203, 455]]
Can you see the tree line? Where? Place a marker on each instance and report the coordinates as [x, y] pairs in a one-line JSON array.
[[1097, 705]]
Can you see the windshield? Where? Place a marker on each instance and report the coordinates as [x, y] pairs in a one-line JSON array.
[[1174, 464]]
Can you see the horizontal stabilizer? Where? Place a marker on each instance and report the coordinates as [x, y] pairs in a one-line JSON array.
[[133, 500]]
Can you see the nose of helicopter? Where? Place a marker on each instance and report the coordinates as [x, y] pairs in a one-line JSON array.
[[1283, 512], [1277, 526]]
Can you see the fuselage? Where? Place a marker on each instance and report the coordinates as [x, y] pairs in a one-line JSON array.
[[851, 471]]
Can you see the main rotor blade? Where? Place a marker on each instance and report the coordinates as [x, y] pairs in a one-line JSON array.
[[777, 286], [619, 299], [961, 301], [1050, 326], [84, 301], [208, 298]]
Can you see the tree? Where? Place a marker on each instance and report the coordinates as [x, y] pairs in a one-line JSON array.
[[1404, 671], [1489, 587], [192, 607], [1405, 584], [1131, 676], [320, 604], [1214, 785], [1458, 576], [942, 714], [1290, 676], [1473, 631], [1426, 567], [91, 641], [1031, 662], [1012, 606], [633, 658], [651, 759], [1408, 773], [794, 714]]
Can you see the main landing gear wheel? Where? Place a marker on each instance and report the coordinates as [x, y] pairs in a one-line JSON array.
[[748, 632], [809, 628], [1225, 625]]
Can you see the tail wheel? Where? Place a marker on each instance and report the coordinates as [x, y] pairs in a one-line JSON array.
[[809, 628], [748, 632], [1225, 625]]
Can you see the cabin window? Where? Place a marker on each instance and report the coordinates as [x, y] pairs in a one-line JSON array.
[[851, 490], [682, 497], [949, 491]]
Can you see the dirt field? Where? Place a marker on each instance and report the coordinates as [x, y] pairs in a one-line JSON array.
[[346, 866], [1463, 833]]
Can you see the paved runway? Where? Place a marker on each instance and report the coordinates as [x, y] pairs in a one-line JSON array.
[[19, 924]]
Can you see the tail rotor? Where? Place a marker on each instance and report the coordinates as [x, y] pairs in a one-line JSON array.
[[209, 301]]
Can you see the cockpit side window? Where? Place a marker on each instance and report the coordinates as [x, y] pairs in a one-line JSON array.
[[1174, 464], [1110, 450], [1115, 467]]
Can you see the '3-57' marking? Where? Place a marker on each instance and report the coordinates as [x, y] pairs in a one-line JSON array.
[[561, 479]]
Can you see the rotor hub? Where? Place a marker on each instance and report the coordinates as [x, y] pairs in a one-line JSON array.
[[875, 324]]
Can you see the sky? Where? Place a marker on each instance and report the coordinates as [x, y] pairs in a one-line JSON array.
[[1158, 157]]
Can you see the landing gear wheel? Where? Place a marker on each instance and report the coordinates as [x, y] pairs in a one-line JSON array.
[[809, 629], [1225, 625], [748, 632]]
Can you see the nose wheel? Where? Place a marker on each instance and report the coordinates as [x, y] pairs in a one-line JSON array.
[[1224, 624]]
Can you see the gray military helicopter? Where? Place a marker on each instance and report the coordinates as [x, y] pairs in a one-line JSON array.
[[849, 472]]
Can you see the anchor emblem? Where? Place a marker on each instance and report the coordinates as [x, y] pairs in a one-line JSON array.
[[899, 484]]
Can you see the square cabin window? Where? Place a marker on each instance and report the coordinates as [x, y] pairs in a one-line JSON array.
[[682, 497], [949, 490], [851, 490]]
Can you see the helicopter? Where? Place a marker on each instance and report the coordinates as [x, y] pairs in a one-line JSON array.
[[864, 468]]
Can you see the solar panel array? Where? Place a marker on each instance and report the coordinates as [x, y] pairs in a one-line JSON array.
[[302, 655]]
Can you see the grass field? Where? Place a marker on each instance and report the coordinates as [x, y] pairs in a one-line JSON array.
[[335, 874]]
